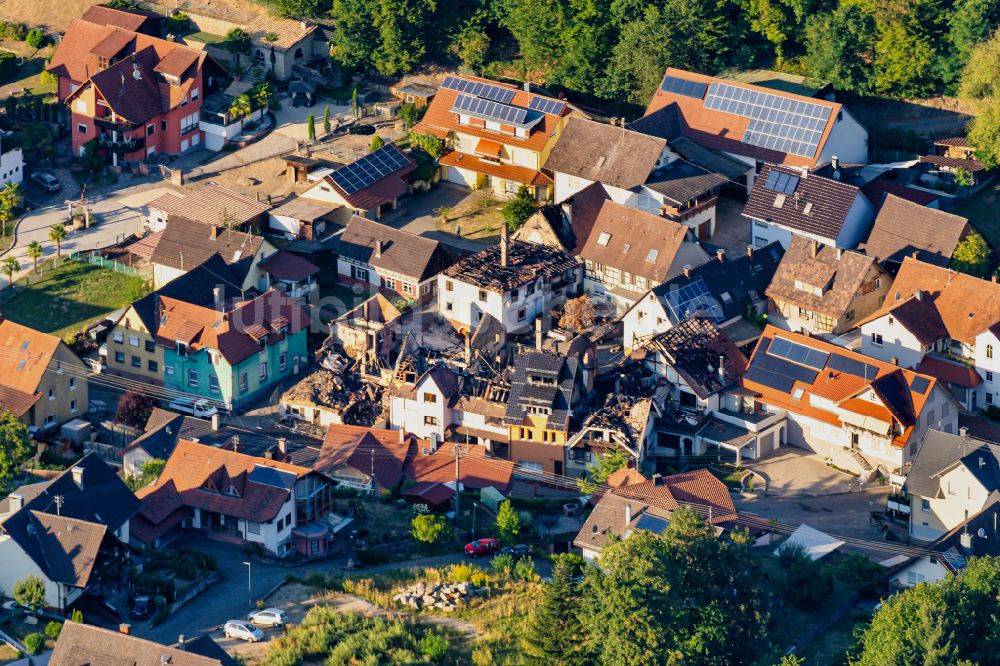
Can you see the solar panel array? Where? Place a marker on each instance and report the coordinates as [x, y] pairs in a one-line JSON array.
[[479, 89], [369, 169], [672, 84], [776, 122], [490, 110], [691, 300], [547, 105], [777, 373], [653, 524], [852, 366], [793, 351], [269, 476], [779, 181]]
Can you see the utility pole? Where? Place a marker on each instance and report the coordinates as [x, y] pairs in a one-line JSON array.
[[373, 471], [458, 477]]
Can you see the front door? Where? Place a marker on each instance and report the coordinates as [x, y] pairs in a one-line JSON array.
[[558, 467]]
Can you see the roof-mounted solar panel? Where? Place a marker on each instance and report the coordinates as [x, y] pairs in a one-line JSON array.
[[369, 169], [479, 89], [545, 105], [685, 87]]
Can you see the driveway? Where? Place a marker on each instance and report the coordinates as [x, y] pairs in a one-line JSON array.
[[791, 471], [416, 215], [293, 122], [120, 213], [732, 230]]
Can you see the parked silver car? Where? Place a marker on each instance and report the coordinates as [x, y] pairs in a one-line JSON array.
[[243, 630]]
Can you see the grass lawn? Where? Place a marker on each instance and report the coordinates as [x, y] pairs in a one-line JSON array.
[[477, 217], [205, 37], [29, 70], [981, 212], [830, 648], [66, 298], [18, 629]]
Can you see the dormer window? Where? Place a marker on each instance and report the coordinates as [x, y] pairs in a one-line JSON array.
[[103, 63], [231, 491]]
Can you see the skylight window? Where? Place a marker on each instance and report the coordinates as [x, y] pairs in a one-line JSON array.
[[24, 346], [628, 246], [604, 239], [653, 254]]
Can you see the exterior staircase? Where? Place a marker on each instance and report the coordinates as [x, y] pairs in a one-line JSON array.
[[862, 462]]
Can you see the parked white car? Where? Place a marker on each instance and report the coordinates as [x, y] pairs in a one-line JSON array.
[[243, 630], [199, 408], [269, 617]]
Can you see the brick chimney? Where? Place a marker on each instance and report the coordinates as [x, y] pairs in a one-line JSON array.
[[750, 251], [214, 232], [813, 249], [283, 445], [378, 247], [538, 333], [720, 254], [77, 472], [687, 271]]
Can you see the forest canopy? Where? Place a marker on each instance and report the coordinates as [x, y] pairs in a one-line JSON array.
[[617, 50]]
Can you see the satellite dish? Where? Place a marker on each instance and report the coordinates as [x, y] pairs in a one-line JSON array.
[[981, 533]]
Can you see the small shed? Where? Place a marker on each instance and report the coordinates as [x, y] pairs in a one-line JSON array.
[[491, 498], [77, 431]]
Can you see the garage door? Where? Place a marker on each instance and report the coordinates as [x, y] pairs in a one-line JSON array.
[[461, 176]]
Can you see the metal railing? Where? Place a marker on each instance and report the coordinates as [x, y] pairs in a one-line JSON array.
[[91, 257]]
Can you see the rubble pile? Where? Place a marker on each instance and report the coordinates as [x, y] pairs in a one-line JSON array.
[[443, 596], [356, 401]]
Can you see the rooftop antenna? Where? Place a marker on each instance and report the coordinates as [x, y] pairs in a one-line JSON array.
[[59, 499]]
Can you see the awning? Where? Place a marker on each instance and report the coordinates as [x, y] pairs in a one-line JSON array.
[[489, 148]]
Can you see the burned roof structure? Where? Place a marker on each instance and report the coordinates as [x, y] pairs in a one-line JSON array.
[[524, 263]]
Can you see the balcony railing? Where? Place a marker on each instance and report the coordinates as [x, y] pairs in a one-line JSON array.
[[114, 125], [124, 145]]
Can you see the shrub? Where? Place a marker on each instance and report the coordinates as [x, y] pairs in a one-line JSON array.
[[861, 573], [428, 143], [434, 646], [519, 209], [806, 582], [502, 564], [8, 66], [52, 630], [462, 573], [33, 643], [15, 31], [77, 616], [429, 528], [178, 23], [35, 38], [524, 570], [30, 592]]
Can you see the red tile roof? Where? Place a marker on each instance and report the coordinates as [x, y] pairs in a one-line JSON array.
[[972, 166], [724, 131], [950, 371], [518, 174], [365, 449], [17, 402], [209, 204], [202, 474], [285, 265], [115, 17], [698, 489], [477, 468], [878, 189]]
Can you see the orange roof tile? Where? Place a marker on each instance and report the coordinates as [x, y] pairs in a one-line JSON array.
[[25, 355], [891, 385], [506, 171], [967, 305], [724, 131], [440, 117]]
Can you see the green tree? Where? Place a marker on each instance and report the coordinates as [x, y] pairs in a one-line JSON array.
[[35, 38], [354, 101], [471, 44], [402, 26], [519, 209], [980, 84], [326, 120], [10, 266], [34, 252], [296, 8], [951, 621], [840, 47], [57, 234], [428, 528], [409, 114], [434, 647], [807, 582], [76, 616], [134, 409], [241, 107], [689, 34], [862, 574], [237, 43], [311, 127], [53, 629], [377, 142], [553, 631], [972, 255], [605, 465], [508, 524], [428, 143], [685, 597], [262, 94], [355, 37], [148, 473], [34, 642], [15, 444], [30, 593]]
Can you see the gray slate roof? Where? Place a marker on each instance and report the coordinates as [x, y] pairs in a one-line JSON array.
[[940, 451], [402, 252], [556, 394], [611, 155]]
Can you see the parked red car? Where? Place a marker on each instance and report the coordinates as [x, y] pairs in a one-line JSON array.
[[482, 547]]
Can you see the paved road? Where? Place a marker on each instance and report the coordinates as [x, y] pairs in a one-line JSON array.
[[120, 213]]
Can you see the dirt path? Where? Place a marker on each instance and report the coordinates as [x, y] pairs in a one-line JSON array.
[[296, 599]]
